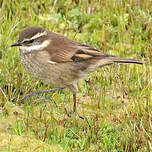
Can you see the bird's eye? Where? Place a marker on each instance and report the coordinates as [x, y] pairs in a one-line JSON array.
[[28, 42], [31, 41]]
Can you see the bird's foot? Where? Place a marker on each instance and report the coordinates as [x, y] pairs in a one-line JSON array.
[[71, 113]]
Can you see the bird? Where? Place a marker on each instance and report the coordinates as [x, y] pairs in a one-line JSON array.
[[58, 60]]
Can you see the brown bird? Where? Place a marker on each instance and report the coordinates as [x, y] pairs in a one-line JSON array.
[[55, 59]]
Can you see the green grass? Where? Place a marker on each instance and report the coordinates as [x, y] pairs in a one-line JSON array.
[[116, 101]]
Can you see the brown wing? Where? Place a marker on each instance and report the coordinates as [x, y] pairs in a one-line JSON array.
[[62, 49]]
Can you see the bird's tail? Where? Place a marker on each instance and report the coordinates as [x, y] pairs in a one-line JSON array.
[[124, 60], [95, 63], [112, 59]]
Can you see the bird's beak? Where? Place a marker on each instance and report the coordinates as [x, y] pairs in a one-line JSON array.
[[16, 44]]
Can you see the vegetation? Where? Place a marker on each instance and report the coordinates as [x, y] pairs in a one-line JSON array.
[[115, 101]]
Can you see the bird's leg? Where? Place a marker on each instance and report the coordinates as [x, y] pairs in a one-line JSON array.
[[74, 102], [73, 88], [75, 105]]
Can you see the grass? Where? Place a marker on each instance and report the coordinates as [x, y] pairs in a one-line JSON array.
[[116, 101]]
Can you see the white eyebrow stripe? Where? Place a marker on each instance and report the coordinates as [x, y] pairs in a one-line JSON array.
[[39, 35], [27, 49], [36, 36]]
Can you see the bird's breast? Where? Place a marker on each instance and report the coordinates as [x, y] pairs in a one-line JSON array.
[[60, 74]]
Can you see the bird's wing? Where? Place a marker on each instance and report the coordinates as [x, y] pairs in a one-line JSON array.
[[62, 49]]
